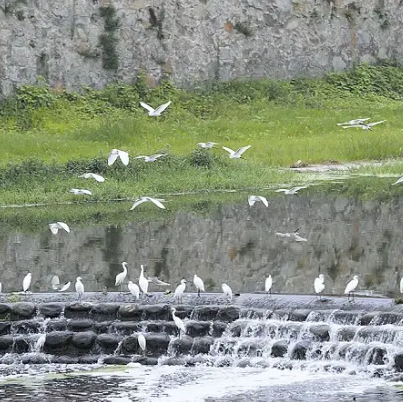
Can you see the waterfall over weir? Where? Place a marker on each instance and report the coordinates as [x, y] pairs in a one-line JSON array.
[[285, 332]]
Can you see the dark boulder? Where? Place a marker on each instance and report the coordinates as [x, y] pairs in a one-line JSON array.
[[252, 314], [117, 360], [20, 344], [104, 311], [299, 350], [198, 328], [51, 310], [346, 334], [228, 314], [205, 313], [321, 332], [78, 310], [102, 327], [182, 345], [23, 310], [279, 349], [33, 359], [377, 355], [299, 315], [157, 344], [5, 327], [84, 340], [157, 312], [108, 342], [202, 345], [368, 317], [125, 328], [25, 327], [6, 341], [88, 359], [58, 340], [398, 364], [5, 309], [80, 325], [218, 328], [64, 360], [56, 325], [130, 312]]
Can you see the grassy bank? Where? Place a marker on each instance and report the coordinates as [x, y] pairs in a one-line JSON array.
[[50, 136]]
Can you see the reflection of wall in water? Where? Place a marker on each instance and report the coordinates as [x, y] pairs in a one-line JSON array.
[[236, 244]]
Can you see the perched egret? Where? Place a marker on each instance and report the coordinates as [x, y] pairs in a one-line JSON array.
[[319, 285], [253, 198], [151, 158], [268, 284], [398, 181], [142, 342], [155, 201], [115, 153], [55, 282], [80, 191], [143, 281], [199, 284], [290, 191], [155, 112], [352, 122], [401, 285], [134, 289], [1, 288], [180, 290], [54, 227], [26, 283], [95, 176], [351, 286], [207, 145], [236, 154], [40, 342], [178, 322], [227, 291], [365, 126], [65, 287], [79, 287], [122, 276]]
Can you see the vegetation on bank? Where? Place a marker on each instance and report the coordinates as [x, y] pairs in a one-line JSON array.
[[49, 136]]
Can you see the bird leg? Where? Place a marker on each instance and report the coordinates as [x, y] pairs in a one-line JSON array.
[[198, 292]]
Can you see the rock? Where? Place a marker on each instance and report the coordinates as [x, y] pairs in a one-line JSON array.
[[197, 328], [250, 313], [299, 350], [104, 311], [398, 364], [64, 360], [33, 359], [108, 342], [377, 355], [56, 325], [279, 349], [228, 314], [321, 332], [130, 345], [80, 325], [205, 313], [202, 345], [157, 344], [20, 345], [385, 318], [126, 328], [88, 359], [346, 334], [130, 312], [299, 315], [58, 340], [6, 342], [368, 317], [182, 312], [218, 328], [102, 327], [25, 327], [150, 361], [5, 309], [5, 327], [51, 310], [84, 340], [182, 345], [23, 310], [117, 360], [78, 310], [236, 328], [157, 312]]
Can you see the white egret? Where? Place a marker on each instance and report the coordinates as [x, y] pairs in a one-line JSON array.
[[401, 285], [155, 201], [80, 191], [238, 153], [155, 112], [151, 158], [40, 342], [268, 284], [142, 341], [143, 281], [290, 191], [134, 289], [26, 283], [122, 276], [95, 176], [365, 126], [79, 287], [199, 284], [178, 322], [65, 287], [351, 286], [294, 236], [398, 181], [355, 121], [55, 282], [253, 198], [54, 227], [157, 281], [115, 153], [227, 291], [180, 290], [1, 288], [207, 145], [319, 285]]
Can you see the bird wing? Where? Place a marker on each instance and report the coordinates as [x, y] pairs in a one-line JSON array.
[[65, 287], [112, 156], [284, 190], [98, 177], [148, 107], [252, 200], [353, 125], [141, 156], [53, 228], [298, 188], [88, 192], [157, 202], [231, 152], [202, 144], [64, 226], [124, 157], [157, 281], [398, 181], [138, 202], [161, 108], [85, 175], [240, 151], [355, 121], [264, 200], [157, 156], [375, 123]]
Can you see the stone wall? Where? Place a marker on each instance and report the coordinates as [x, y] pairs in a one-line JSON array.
[[191, 41]]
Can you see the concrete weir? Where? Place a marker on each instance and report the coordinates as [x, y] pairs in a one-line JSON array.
[[284, 331]]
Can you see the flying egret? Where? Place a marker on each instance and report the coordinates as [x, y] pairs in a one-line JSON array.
[[319, 285], [178, 322], [80, 191], [95, 176], [199, 284], [294, 236], [227, 291], [134, 289], [115, 153], [151, 158], [26, 283], [180, 290], [40, 342], [398, 181], [207, 145], [122, 276], [143, 281], [155, 201], [355, 121], [142, 341], [65, 287], [365, 126], [155, 112], [79, 287], [290, 191], [268, 284], [236, 154], [253, 198], [54, 227], [351, 286]]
